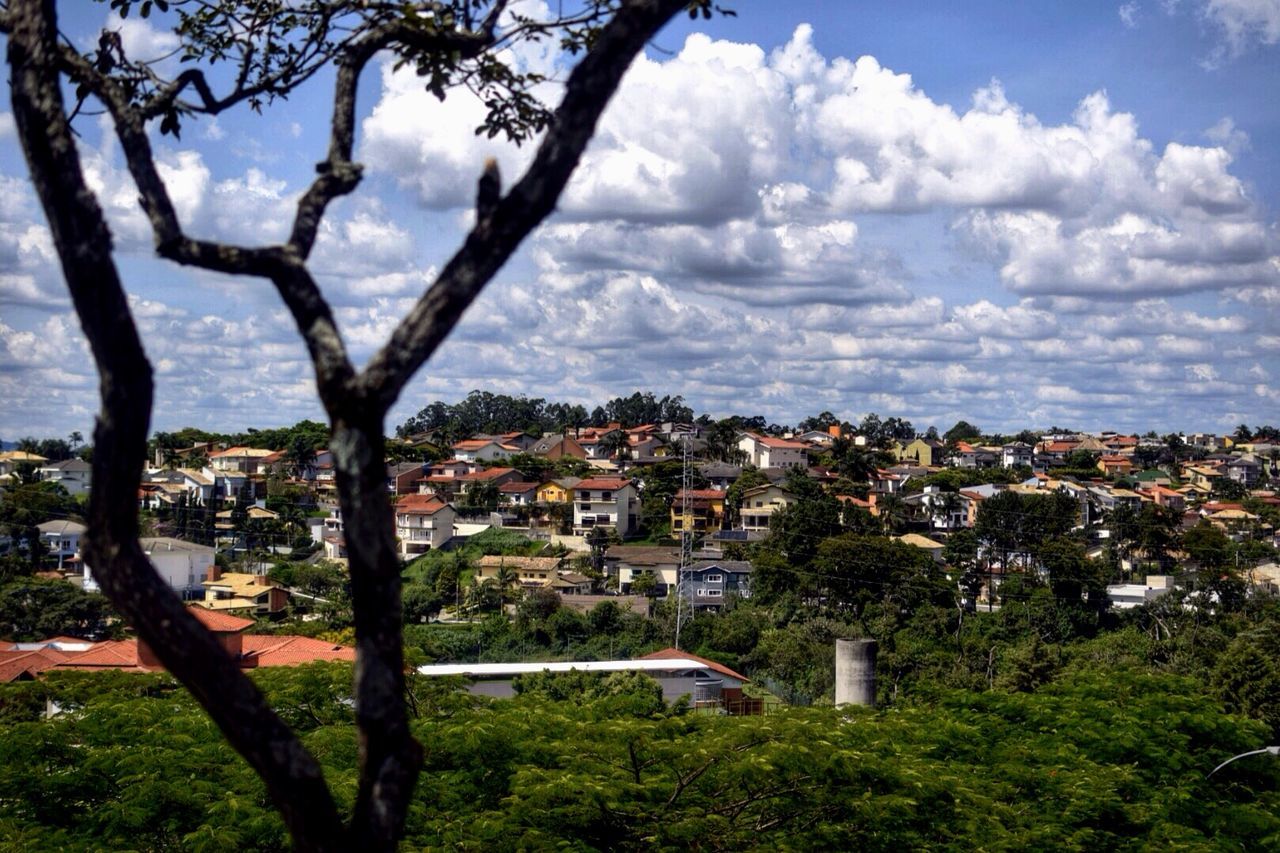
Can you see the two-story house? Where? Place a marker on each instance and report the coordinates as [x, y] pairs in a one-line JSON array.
[[711, 584], [74, 475], [423, 522], [759, 504], [764, 451], [697, 511], [606, 502]]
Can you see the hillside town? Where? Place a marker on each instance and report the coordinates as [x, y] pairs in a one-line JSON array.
[[642, 514]]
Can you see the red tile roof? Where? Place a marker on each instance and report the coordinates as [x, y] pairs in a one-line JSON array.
[[113, 654], [221, 623], [15, 664], [289, 650], [419, 505], [704, 494], [676, 654], [480, 476], [605, 484], [778, 443]]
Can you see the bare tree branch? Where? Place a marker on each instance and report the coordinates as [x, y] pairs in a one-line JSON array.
[[493, 240], [293, 777]]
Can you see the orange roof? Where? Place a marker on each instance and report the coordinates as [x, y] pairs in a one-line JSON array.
[[487, 474], [113, 654], [14, 664], [221, 623], [419, 505], [778, 443], [703, 494], [675, 654], [290, 650], [607, 484]]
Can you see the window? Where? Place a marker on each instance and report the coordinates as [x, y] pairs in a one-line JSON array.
[[584, 507], [714, 579], [759, 504], [606, 496], [710, 593]]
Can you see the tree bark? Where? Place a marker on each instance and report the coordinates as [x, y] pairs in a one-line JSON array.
[[83, 242], [390, 759]]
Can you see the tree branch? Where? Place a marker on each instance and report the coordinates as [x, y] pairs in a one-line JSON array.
[[292, 776], [493, 239]]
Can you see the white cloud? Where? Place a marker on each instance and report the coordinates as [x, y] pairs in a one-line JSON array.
[[1129, 14], [1241, 23]]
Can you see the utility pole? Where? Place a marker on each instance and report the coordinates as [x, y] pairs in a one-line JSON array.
[[686, 538]]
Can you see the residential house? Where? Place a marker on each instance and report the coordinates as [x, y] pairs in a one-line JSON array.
[[933, 547], [719, 475], [496, 476], [624, 563], [760, 503], [928, 452], [1127, 596], [558, 446], [518, 493], [11, 460], [62, 538], [558, 491], [1115, 466], [1245, 470], [403, 477], [249, 651], [423, 522], [765, 451], [244, 460], [483, 450], [606, 502], [243, 593], [968, 455], [1016, 453], [1165, 497], [74, 475], [711, 584], [529, 572], [697, 510], [185, 566]]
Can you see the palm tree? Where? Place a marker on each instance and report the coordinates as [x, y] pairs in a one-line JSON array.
[[506, 579], [893, 512], [301, 457]]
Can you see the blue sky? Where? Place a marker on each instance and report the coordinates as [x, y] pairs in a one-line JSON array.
[[1016, 214]]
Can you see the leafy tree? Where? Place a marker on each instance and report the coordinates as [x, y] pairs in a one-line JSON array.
[[36, 609], [962, 431], [1247, 680]]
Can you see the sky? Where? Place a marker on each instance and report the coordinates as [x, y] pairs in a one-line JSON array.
[[1016, 214]]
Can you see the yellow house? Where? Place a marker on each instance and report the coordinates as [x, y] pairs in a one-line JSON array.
[[557, 491], [706, 510], [923, 451], [528, 571]]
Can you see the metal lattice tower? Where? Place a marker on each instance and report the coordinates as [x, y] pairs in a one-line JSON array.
[[686, 539]]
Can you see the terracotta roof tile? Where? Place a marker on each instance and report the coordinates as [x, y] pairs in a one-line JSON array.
[[676, 654]]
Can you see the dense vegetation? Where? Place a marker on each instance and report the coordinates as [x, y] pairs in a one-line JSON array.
[[1092, 760]]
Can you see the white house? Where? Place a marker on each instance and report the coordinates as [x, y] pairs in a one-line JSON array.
[[765, 451], [62, 538], [72, 474], [185, 565], [482, 450], [423, 522], [605, 502], [760, 503]]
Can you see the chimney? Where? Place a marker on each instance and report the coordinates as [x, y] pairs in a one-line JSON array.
[[856, 672], [215, 572]]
